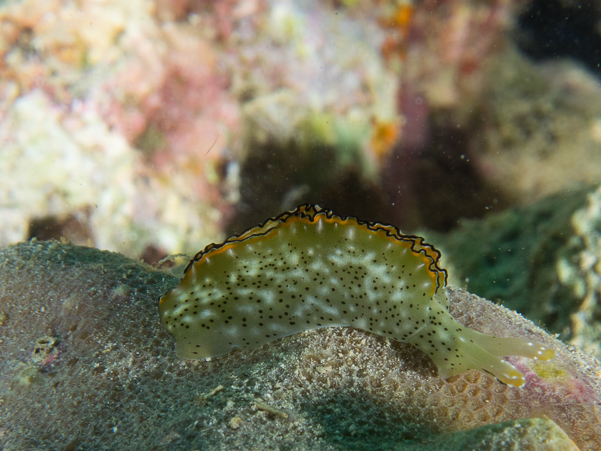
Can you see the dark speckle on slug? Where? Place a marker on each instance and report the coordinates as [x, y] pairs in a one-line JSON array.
[[310, 268]]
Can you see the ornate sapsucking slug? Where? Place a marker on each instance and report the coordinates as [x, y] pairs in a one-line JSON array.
[[309, 268]]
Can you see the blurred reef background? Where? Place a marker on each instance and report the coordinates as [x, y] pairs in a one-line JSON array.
[[154, 127]]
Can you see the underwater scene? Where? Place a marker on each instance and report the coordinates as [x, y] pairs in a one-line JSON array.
[[300, 225]]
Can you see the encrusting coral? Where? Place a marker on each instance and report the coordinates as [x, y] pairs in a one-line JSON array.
[[152, 88], [580, 269], [109, 378]]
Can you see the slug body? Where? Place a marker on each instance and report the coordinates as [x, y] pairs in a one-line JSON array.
[[310, 268]]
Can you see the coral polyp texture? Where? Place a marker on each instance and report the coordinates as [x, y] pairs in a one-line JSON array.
[[86, 364], [310, 268]]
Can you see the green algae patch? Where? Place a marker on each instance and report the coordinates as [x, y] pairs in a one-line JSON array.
[[511, 257], [552, 372]]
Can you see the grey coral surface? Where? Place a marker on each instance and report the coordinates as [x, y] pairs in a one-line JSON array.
[[85, 364]]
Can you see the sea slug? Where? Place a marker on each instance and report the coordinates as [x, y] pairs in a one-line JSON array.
[[309, 268]]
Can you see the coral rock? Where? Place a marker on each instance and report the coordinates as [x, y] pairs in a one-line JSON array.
[[113, 379]]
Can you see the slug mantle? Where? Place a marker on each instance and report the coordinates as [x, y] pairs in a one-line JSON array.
[[309, 268]]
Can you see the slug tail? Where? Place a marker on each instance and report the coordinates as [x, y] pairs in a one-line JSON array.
[[485, 352], [482, 359], [511, 346], [469, 349], [472, 356]]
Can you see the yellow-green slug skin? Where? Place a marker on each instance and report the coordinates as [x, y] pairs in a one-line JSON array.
[[309, 268]]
